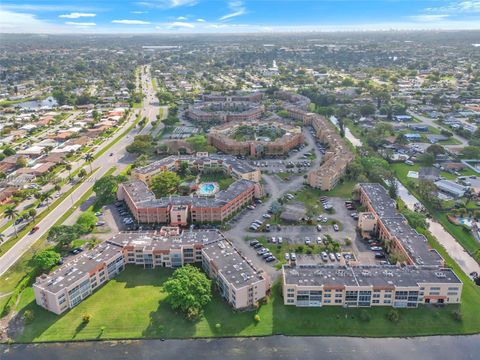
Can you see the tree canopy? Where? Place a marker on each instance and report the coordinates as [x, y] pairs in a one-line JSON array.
[[189, 290], [105, 189], [165, 183], [46, 259]]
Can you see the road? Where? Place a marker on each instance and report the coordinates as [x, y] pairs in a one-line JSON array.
[[103, 163], [429, 122], [264, 348], [454, 249], [276, 189]]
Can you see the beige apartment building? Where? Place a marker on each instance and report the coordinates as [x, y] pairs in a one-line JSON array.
[[239, 282], [72, 283], [367, 286]]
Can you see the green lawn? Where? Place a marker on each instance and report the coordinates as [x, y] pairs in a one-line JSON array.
[[133, 306]]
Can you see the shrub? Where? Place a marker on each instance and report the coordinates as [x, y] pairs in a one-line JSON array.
[[218, 326], [28, 316], [457, 315], [365, 315], [257, 318], [86, 318], [393, 315]]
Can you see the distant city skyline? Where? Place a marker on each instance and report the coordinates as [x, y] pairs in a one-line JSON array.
[[220, 16]]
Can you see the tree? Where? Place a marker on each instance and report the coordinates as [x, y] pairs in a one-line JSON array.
[[11, 213], [46, 259], [415, 219], [32, 213], [426, 159], [367, 109], [89, 159], [189, 290], [82, 173], [9, 151], [471, 152], [105, 190], [86, 222], [165, 183], [69, 169], [435, 150], [62, 234], [21, 162]]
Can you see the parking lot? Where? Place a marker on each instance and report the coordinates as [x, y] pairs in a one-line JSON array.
[[316, 237]]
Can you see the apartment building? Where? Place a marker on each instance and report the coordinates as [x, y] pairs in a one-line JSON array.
[[220, 137], [336, 159], [392, 227], [225, 111], [70, 284], [181, 210], [239, 283], [201, 161], [367, 286]]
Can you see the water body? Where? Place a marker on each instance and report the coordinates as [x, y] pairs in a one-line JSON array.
[[48, 103], [273, 347], [348, 134]]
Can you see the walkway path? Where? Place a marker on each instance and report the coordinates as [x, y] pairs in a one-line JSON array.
[[454, 249]]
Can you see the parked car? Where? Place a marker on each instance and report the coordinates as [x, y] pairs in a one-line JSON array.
[[262, 251], [280, 240], [293, 257], [319, 227], [307, 241], [76, 251], [338, 256], [324, 256], [287, 256], [335, 227], [257, 246], [270, 259], [254, 242], [376, 248]]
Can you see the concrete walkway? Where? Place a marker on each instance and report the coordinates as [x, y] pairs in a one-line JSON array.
[[454, 249]]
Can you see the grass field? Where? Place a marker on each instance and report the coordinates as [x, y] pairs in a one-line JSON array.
[[133, 306], [223, 180]]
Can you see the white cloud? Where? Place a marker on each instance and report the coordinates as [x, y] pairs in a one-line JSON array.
[[429, 17], [76, 15], [131, 22], [181, 18], [166, 3], [201, 20], [138, 12], [456, 7], [237, 9], [181, 24], [14, 22], [39, 7], [75, 23]]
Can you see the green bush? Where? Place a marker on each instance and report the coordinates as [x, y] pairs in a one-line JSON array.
[[257, 318], [86, 222], [393, 315], [28, 316]]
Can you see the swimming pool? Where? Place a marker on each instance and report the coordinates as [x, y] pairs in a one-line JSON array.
[[208, 189]]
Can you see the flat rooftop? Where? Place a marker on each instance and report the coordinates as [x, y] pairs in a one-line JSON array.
[[381, 202], [234, 267], [368, 275], [72, 271], [154, 240]]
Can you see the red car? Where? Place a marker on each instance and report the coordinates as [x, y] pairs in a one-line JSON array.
[[34, 229]]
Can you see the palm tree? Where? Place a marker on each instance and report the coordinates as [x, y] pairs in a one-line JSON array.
[[2, 236], [89, 159], [46, 197], [11, 213], [69, 168]]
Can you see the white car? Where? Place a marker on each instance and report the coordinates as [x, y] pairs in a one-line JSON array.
[[280, 240], [287, 256], [335, 227]]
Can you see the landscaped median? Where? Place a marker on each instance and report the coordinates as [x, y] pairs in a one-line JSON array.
[[9, 280], [7, 245]]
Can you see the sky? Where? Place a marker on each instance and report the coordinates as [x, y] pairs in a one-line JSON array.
[[223, 16]]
